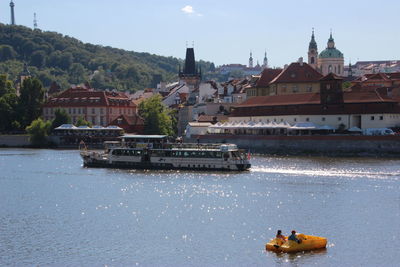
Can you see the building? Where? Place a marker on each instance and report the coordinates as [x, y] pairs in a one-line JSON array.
[[362, 107], [329, 60], [97, 107], [297, 78], [261, 86], [191, 75], [361, 68]]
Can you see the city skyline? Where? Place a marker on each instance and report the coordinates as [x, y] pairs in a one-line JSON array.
[[222, 33]]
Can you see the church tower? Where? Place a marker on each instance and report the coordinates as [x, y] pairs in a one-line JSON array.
[[251, 60], [191, 76], [265, 62], [12, 13], [312, 52]]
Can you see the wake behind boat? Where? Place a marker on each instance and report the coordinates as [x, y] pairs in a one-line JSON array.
[[155, 152]]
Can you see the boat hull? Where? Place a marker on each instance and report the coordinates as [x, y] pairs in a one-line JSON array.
[[93, 163], [308, 243]]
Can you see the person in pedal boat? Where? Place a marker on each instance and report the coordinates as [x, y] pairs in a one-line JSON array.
[[293, 237], [280, 236]]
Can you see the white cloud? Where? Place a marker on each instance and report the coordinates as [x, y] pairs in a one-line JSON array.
[[188, 10]]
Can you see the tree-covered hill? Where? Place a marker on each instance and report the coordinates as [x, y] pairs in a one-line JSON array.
[[54, 57]]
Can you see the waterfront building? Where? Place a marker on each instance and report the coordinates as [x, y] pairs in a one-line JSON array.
[[97, 107], [360, 106]]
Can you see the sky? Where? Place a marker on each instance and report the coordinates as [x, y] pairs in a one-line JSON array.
[[222, 31]]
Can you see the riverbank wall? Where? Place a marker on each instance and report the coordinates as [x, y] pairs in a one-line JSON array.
[[14, 141], [330, 145]]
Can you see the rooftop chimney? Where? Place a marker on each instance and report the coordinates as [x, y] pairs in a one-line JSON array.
[[300, 61]]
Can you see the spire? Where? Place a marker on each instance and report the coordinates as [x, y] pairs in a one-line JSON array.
[[12, 12], [190, 63], [313, 44], [251, 60], [331, 41], [265, 62]]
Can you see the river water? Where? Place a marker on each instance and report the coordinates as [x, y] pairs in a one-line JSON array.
[[54, 212]]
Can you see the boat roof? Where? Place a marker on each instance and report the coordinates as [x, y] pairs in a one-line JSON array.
[[138, 136]]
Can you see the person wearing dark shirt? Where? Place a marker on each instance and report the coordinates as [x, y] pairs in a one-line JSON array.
[[293, 237]]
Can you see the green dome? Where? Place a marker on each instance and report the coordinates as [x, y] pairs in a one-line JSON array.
[[331, 53]]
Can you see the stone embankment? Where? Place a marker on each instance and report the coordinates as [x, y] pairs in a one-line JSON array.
[[330, 145], [14, 141]]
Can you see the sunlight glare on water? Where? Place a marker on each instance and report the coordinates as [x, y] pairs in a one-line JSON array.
[[55, 212]]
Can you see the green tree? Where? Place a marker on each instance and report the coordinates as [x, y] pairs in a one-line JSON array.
[[7, 52], [157, 116], [8, 107], [61, 117], [38, 131], [82, 122], [38, 58], [6, 86], [346, 85], [31, 100], [77, 73]]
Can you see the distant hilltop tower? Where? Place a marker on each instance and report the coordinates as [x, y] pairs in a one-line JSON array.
[[251, 60], [12, 13], [34, 21], [265, 62]]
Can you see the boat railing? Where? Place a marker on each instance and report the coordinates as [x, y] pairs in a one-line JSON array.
[[223, 147]]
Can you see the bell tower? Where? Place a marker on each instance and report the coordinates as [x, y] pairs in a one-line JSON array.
[[251, 60], [313, 52], [265, 62]]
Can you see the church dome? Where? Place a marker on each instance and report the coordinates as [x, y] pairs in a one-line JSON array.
[[331, 53]]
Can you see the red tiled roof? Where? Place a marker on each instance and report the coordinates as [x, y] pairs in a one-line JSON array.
[[331, 76], [279, 100], [87, 97], [298, 72], [374, 96], [267, 76], [212, 118]]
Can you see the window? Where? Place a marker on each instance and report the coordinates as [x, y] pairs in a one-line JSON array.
[[309, 88], [93, 111], [328, 86], [381, 118], [372, 118], [101, 111], [73, 111], [295, 119], [330, 69], [323, 118], [307, 119], [339, 118], [295, 89], [339, 69], [312, 60]]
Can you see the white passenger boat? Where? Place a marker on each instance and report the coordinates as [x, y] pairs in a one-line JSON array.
[[154, 152]]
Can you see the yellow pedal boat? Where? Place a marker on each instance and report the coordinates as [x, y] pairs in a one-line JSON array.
[[308, 242]]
